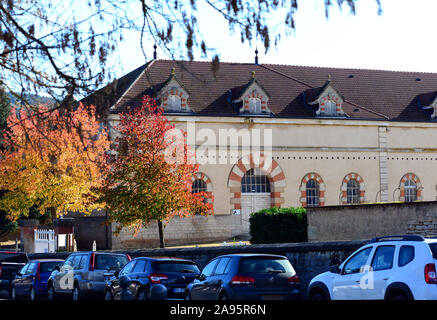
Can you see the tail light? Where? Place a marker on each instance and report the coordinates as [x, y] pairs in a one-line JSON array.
[[128, 257], [92, 260], [430, 274], [242, 280], [38, 272], [294, 280], [156, 278]]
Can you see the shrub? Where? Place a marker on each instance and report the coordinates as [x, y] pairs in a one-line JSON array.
[[279, 225]]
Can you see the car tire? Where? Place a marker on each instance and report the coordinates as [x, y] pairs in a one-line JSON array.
[[318, 296], [108, 295], [187, 296], [76, 294], [51, 293], [223, 296], [142, 294], [13, 293], [398, 297]]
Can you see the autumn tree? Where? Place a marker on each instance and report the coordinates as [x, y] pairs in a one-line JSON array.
[[149, 176], [51, 161], [61, 48]]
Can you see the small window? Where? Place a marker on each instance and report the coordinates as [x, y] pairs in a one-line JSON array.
[[31, 268], [265, 265], [383, 258], [330, 108], [140, 266], [312, 193], [77, 262], [353, 192], [83, 262], [69, 262], [128, 268], [221, 266], [406, 255], [357, 262], [107, 261], [49, 266], [410, 191], [207, 271], [175, 266], [198, 186], [255, 106], [24, 269], [255, 181], [174, 103]]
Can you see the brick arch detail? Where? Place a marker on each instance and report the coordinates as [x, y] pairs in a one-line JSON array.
[[303, 188], [271, 169], [207, 180], [405, 178], [346, 179], [175, 92]]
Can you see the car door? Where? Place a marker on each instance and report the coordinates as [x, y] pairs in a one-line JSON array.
[[137, 276], [63, 277], [18, 282], [27, 278], [380, 272], [201, 288], [216, 279], [115, 281], [347, 284]]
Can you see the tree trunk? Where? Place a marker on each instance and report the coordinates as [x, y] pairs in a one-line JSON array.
[[161, 234]]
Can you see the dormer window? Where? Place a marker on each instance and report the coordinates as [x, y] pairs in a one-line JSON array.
[[174, 103], [329, 102], [255, 106], [330, 108]]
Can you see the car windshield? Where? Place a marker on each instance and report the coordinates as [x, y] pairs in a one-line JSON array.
[[265, 265], [49, 266], [13, 257], [175, 266], [106, 261]]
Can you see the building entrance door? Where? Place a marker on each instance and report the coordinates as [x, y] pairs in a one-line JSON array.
[[253, 202]]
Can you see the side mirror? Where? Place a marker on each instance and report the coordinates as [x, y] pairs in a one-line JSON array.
[[335, 269]]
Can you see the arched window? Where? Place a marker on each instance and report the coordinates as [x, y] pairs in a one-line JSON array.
[[353, 192], [255, 106], [330, 108], [255, 181], [198, 186], [312, 193], [410, 191], [173, 103]]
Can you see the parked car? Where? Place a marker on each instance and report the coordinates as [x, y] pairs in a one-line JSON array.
[[247, 277], [10, 263], [143, 273], [84, 274], [391, 268], [31, 281]]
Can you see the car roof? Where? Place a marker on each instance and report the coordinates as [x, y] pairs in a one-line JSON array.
[[100, 252], [252, 255], [46, 260], [163, 259]]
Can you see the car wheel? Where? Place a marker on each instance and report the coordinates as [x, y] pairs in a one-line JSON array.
[[32, 295], [108, 295], [318, 296], [76, 293], [223, 296], [142, 294], [13, 294], [51, 294], [187, 296], [398, 297]]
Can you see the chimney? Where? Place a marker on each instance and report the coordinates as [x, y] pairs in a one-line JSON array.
[[256, 56], [154, 52]]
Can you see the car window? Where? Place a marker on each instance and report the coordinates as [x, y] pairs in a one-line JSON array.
[[76, 262], [265, 265], [68, 264], [49, 266], [406, 255], [23, 270], [107, 261], [221, 266], [13, 257], [354, 264], [31, 268], [207, 271], [383, 258], [128, 268], [175, 266], [140, 266], [83, 262]]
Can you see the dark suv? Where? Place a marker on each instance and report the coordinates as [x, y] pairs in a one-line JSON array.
[[143, 273], [84, 273], [246, 277]]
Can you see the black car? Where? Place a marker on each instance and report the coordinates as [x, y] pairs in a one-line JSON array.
[[10, 263], [143, 273], [246, 277]]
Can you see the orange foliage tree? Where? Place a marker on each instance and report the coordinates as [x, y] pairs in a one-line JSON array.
[[52, 160], [149, 175]]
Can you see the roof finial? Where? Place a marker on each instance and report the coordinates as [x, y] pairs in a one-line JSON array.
[[253, 74], [329, 77], [173, 71], [256, 56], [154, 52]]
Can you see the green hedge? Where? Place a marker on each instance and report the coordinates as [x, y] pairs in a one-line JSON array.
[[279, 225]]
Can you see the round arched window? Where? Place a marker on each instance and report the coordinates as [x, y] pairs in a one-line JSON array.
[[410, 191], [312, 193], [353, 192], [255, 181]]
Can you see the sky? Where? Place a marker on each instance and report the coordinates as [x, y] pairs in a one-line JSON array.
[[402, 38]]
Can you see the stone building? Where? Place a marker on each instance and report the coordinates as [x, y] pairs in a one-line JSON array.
[[335, 136]]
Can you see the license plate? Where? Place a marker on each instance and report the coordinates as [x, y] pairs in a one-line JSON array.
[[178, 290], [273, 297]]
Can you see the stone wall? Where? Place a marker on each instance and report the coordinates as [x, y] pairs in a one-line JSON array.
[[372, 220], [196, 229], [308, 259]]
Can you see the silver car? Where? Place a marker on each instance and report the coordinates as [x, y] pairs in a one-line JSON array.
[[84, 273]]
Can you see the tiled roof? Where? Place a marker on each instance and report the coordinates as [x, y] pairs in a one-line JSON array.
[[368, 94]]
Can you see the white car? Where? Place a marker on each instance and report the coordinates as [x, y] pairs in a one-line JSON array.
[[391, 268]]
